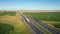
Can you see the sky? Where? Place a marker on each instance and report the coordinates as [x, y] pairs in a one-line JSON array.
[[29, 4]]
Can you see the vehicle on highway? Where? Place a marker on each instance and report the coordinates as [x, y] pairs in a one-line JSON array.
[[27, 20]]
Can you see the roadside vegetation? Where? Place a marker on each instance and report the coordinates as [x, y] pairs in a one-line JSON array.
[[5, 28], [11, 23], [57, 25], [46, 16]]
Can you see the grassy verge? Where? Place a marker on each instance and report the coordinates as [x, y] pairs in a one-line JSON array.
[[53, 23], [57, 25], [19, 26]]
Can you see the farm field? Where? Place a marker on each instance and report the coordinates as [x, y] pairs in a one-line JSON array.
[[11, 23], [10, 13], [52, 18]]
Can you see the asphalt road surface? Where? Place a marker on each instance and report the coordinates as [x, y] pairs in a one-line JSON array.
[[34, 28], [49, 28], [37, 30]]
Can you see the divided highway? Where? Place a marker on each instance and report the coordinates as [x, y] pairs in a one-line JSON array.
[[29, 20], [49, 28], [34, 28]]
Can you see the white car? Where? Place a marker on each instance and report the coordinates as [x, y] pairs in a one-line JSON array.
[[27, 20]]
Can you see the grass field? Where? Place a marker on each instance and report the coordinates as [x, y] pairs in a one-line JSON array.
[[13, 19], [46, 16], [10, 13], [5, 28]]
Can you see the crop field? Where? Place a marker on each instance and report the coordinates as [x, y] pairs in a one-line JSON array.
[[5, 28], [46, 16], [11, 23], [10, 13]]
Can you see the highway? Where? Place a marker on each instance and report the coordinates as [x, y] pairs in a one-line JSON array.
[[37, 30], [49, 28], [34, 28]]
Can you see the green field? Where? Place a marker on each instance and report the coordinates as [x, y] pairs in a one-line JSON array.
[[10, 13], [5, 28], [13, 28], [11, 23], [46, 16]]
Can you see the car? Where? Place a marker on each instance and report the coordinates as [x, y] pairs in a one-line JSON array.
[[27, 20]]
